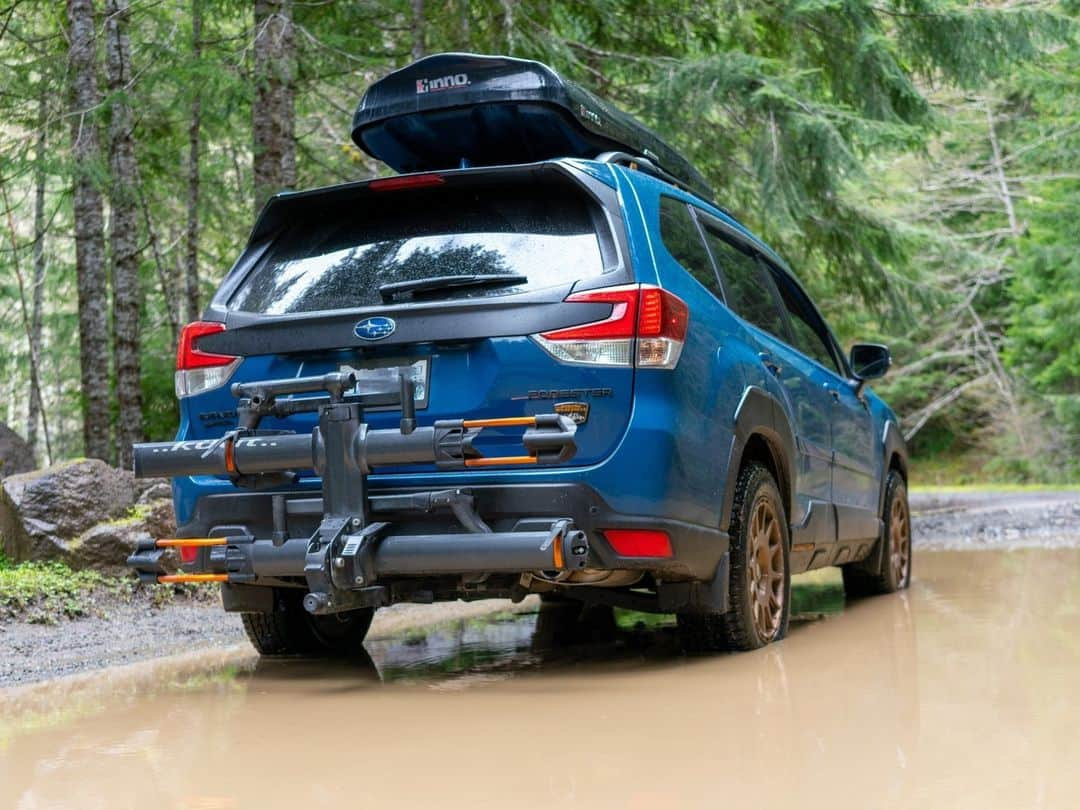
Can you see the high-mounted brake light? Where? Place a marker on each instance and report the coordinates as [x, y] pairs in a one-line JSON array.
[[198, 371], [408, 181], [646, 328]]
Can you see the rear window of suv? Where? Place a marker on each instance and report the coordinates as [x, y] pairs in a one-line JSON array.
[[546, 233]]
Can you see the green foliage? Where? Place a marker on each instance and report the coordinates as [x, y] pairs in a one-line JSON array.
[[45, 592], [637, 621], [852, 134], [160, 409], [1045, 315], [816, 598]]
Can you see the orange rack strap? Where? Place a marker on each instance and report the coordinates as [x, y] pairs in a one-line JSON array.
[[506, 421], [192, 542], [171, 578], [230, 455], [495, 461]]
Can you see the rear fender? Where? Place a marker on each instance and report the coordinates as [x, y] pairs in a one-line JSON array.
[[892, 441], [759, 413]]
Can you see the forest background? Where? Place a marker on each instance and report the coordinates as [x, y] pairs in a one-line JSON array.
[[916, 161]]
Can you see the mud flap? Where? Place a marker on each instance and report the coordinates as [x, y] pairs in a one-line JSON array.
[[698, 597], [236, 598]]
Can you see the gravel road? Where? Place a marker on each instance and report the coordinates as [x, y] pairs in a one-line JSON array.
[[122, 633], [943, 521]]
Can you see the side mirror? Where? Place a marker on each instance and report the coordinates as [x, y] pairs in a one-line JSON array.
[[869, 361]]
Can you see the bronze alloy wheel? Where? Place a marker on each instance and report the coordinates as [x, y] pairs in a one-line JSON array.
[[765, 569], [759, 579], [900, 538], [887, 568]]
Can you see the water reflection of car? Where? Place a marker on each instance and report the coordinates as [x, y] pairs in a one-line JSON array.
[[543, 251]]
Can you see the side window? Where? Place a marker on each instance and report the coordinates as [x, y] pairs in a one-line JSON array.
[[806, 329], [683, 241], [748, 285]]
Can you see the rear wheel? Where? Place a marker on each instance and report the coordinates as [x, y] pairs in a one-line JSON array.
[[892, 571], [759, 589], [291, 630]]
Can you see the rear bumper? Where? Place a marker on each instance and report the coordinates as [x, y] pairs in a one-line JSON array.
[[697, 550]]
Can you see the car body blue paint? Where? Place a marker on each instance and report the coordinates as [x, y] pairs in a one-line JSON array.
[[661, 444]]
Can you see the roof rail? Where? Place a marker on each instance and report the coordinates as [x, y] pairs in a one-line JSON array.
[[644, 164]]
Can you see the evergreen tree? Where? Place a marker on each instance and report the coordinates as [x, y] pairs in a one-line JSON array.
[[89, 228], [916, 156], [123, 232]]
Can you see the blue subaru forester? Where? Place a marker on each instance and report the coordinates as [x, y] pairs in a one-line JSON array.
[[542, 259]]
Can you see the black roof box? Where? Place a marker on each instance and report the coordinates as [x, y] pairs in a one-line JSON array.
[[458, 109]]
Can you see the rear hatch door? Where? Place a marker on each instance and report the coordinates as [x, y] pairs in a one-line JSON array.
[[447, 275]]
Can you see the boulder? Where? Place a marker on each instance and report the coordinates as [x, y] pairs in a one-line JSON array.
[[153, 489], [16, 456], [43, 512], [107, 545]]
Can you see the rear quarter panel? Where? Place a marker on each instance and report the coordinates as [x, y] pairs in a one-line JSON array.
[[690, 410]]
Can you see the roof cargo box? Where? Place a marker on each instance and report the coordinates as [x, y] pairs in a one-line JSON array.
[[457, 109]]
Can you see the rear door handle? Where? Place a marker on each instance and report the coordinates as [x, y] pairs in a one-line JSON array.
[[769, 363]]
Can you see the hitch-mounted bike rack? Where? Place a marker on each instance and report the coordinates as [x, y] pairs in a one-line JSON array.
[[349, 558]]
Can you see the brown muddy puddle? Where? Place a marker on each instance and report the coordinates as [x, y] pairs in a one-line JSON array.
[[960, 693]]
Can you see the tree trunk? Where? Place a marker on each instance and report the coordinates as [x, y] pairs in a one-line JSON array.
[[466, 34], [35, 378], [89, 230], [123, 233], [191, 263], [273, 113], [508, 24], [36, 410], [418, 49], [166, 273]]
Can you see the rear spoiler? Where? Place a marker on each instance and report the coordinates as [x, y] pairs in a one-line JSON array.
[[283, 208]]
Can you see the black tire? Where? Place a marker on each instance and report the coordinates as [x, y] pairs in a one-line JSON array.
[[741, 627], [889, 569], [291, 630]]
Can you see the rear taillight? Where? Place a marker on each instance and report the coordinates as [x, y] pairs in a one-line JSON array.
[[646, 328], [662, 323], [198, 371]]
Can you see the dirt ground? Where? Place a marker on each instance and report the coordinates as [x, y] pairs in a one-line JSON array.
[[126, 632]]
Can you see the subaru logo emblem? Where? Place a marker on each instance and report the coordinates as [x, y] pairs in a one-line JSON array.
[[374, 328]]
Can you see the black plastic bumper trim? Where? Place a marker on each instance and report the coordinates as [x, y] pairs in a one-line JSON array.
[[697, 549]]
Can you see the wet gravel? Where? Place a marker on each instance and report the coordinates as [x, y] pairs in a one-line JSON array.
[[125, 632], [119, 633], [995, 520]]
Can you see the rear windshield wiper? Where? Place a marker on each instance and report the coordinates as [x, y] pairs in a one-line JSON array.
[[388, 291]]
